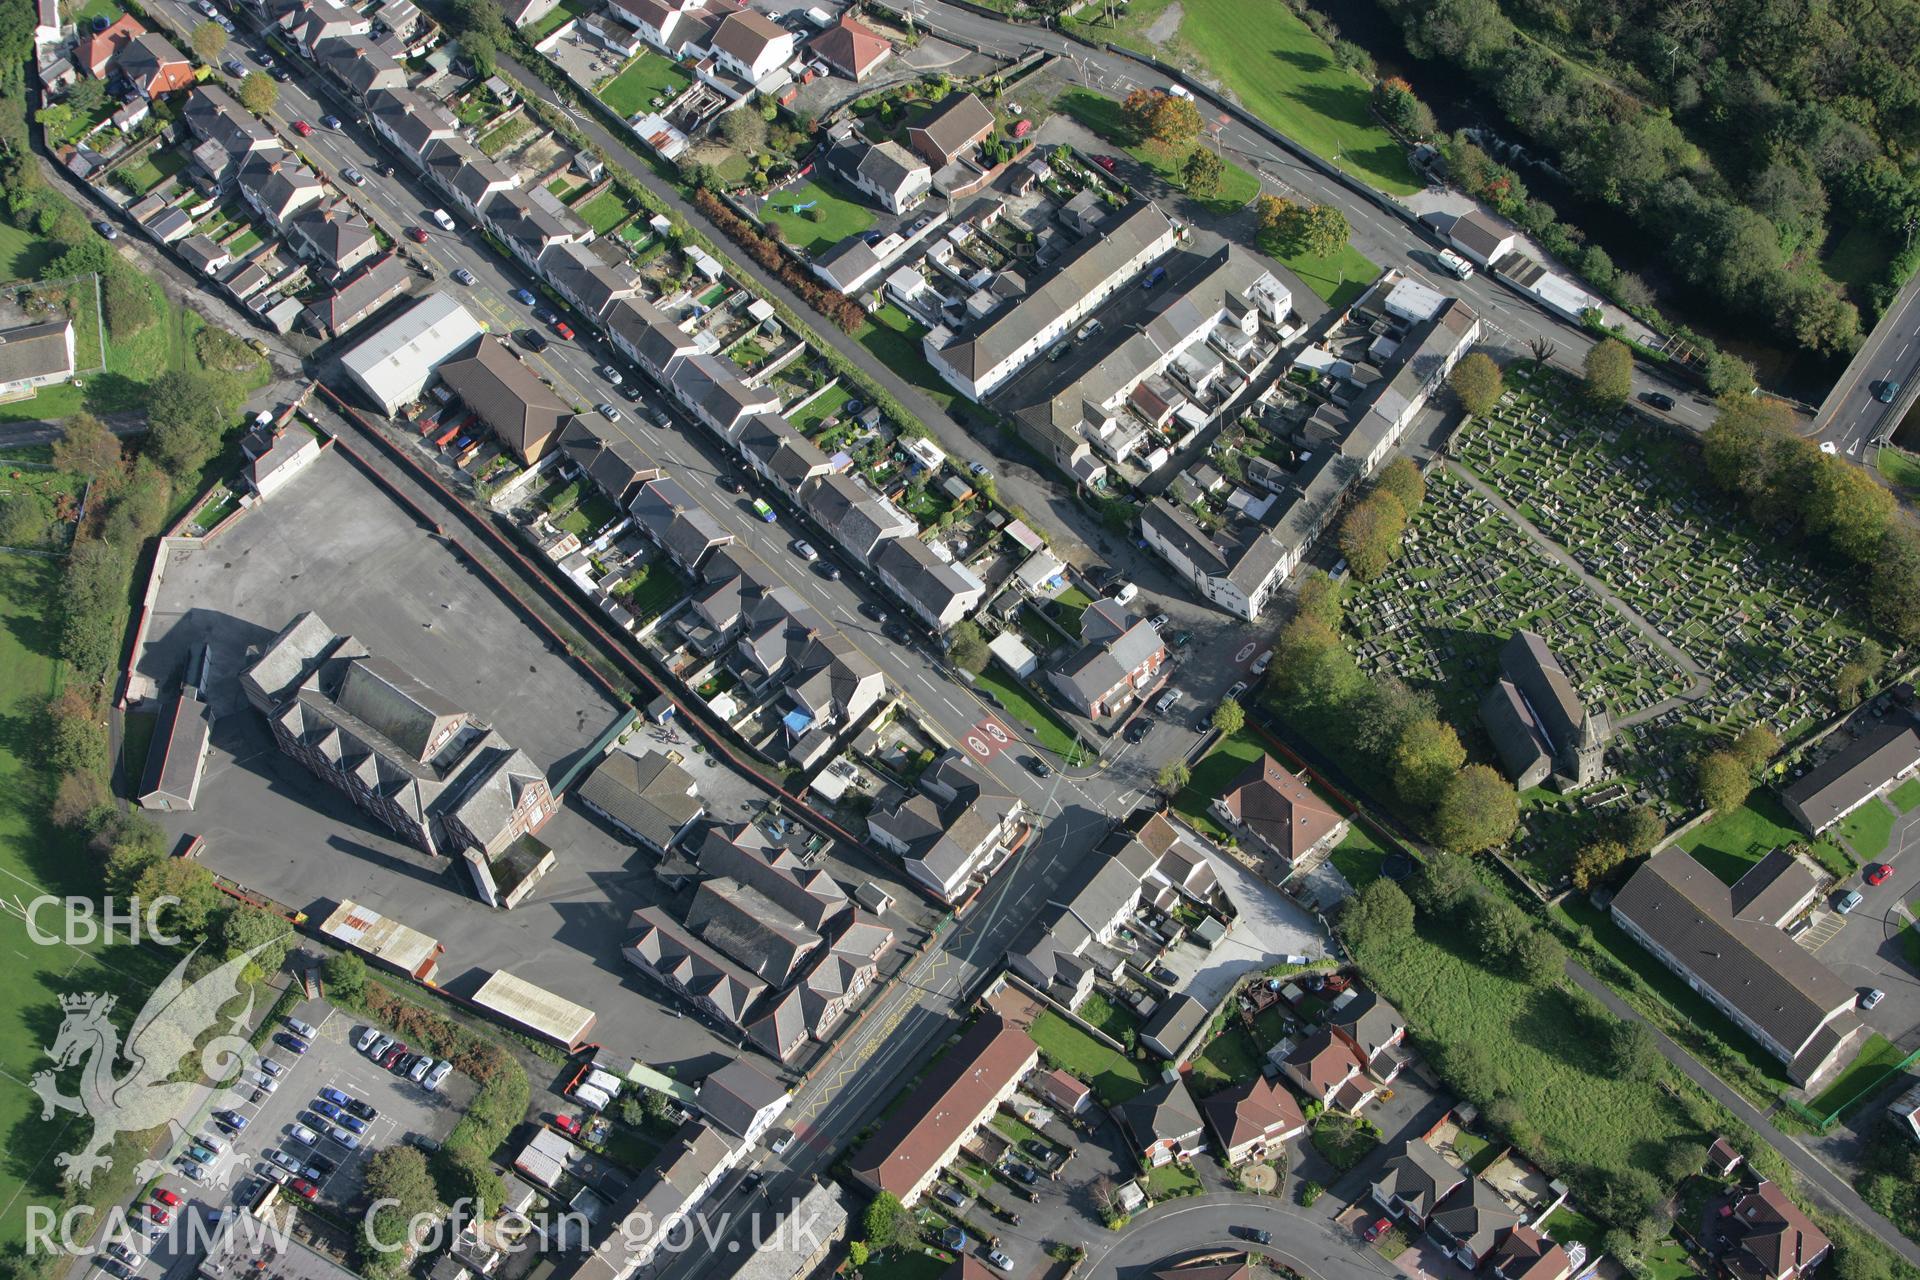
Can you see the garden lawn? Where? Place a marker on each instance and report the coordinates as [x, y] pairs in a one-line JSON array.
[[1867, 829], [1048, 729], [1229, 758], [150, 170], [893, 337], [1229, 1058], [649, 76], [1357, 856], [1734, 841], [604, 212], [1854, 1085], [1171, 1180], [23, 254], [1112, 1076], [1102, 115], [1073, 602], [1338, 280], [566, 9], [1906, 796], [1112, 1019], [1538, 1041], [652, 591], [1269, 60], [839, 216], [823, 406]]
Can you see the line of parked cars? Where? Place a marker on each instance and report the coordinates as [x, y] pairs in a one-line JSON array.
[[397, 1058]]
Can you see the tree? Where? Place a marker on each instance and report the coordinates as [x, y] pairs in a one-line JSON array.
[[22, 521], [399, 1172], [884, 1220], [1495, 924], [1725, 781], [1595, 862], [1319, 598], [1378, 915], [1403, 480], [86, 95], [79, 796], [1324, 231], [1274, 219], [1376, 721], [259, 92], [209, 41], [1442, 885], [1173, 777], [87, 448], [1849, 508], [1229, 717], [1625, 1197], [1425, 758], [1609, 373], [1153, 116], [1639, 829], [1541, 348], [1203, 173], [1895, 584], [1857, 1262], [185, 414], [1756, 745], [1370, 535], [1477, 810], [967, 646], [1478, 383], [346, 975], [1857, 674], [857, 1253], [189, 882], [745, 131], [1539, 957], [244, 927]]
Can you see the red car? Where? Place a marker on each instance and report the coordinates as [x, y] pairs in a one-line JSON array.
[[1375, 1229], [569, 1125], [1105, 162], [165, 1197], [156, 1214], [302, 128], [417, 234], [393, 1055], [304, 1189], [1877, 872], [562, 328]]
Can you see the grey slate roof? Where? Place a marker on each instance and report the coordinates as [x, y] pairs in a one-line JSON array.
[[762, 936], [672, 517], [615, 464], [735, 1094], [655, 338], [1861, 766], [1754, 966], [1418, 1176], [853, 515], [1475, 1215], [1164, 1112], [743, 853], [649, 795], [34, 351], [408, 711], [923, 576], [662, 945]]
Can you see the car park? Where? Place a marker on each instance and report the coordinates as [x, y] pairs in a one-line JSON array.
[[303, 1135], [392, 1054], [418, 1071], [344, 1137], [334, 1096], [196, 1172], [328, 1110], [305, 1030]]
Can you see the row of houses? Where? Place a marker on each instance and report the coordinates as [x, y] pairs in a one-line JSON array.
[[1415, 335]]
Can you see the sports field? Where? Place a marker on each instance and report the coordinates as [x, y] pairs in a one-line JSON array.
[[36, 858]]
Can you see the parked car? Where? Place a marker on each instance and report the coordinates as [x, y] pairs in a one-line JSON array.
[[366, 1111], [610, 412], [1139, 728], [994, 1256], [463, 275], [106, 229], [331, 121], [344, 1137], [272, 1068], [380, 1046], [305, 1030], [166, 1197], [351, 1123], [533, 339], [303, 1135], [1107, 162], [1872, 998], [569, 1125], [804, 549], [611, 374], [564, 329], [1158, 620], [418, 1071], [1848, 902], [443, 219], [951, 1196], [284, 1160], [523, 296], [328, 1110], [287, 1040], [189, 1169], [391, 1054], [828, 570], [1234, 690], [1375, 1229], [233, 67], [302, 128], [1664, 403], [366, 1038], [1877, 873], [231, 1119], [1166, 700], [304, 1189]]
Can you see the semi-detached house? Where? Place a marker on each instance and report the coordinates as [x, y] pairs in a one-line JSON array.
[[1119, 657], [939, 592]]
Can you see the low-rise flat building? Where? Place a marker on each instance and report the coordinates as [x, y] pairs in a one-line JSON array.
[[176, 755], [1860, 770], [36, 355]]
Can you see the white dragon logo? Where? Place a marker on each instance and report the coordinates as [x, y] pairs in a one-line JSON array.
[[174, 1018]]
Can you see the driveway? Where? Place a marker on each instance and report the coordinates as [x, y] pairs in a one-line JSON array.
[[1270, 925]]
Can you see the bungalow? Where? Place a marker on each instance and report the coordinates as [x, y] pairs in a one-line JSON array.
[[1861, 769], [1061, 1092], [1252, 1119], [959, 123], [851, 47], [203, 255], [36, 355], [1163, 1124]]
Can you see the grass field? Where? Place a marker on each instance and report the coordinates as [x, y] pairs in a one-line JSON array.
[[538, 31], [1112, 1077], [840, 215], [1338, 280], [1539, 1041], [649, 76], [37, 858], [1734, 841], [1102, 115], [1266, 58], [1853, 1086], [1906, 796], [1229, 1058]]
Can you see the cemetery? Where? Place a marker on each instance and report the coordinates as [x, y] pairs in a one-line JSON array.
[[1682, 619]]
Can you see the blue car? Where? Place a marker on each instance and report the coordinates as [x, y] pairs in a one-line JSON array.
[[523, 296], [353, 1124], [332, 122], [288, 1040], [336, 1097], [328, 1110]]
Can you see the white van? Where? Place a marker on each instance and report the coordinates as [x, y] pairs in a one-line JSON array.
[[1125, 593], [445, 220], [1456, 265]]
